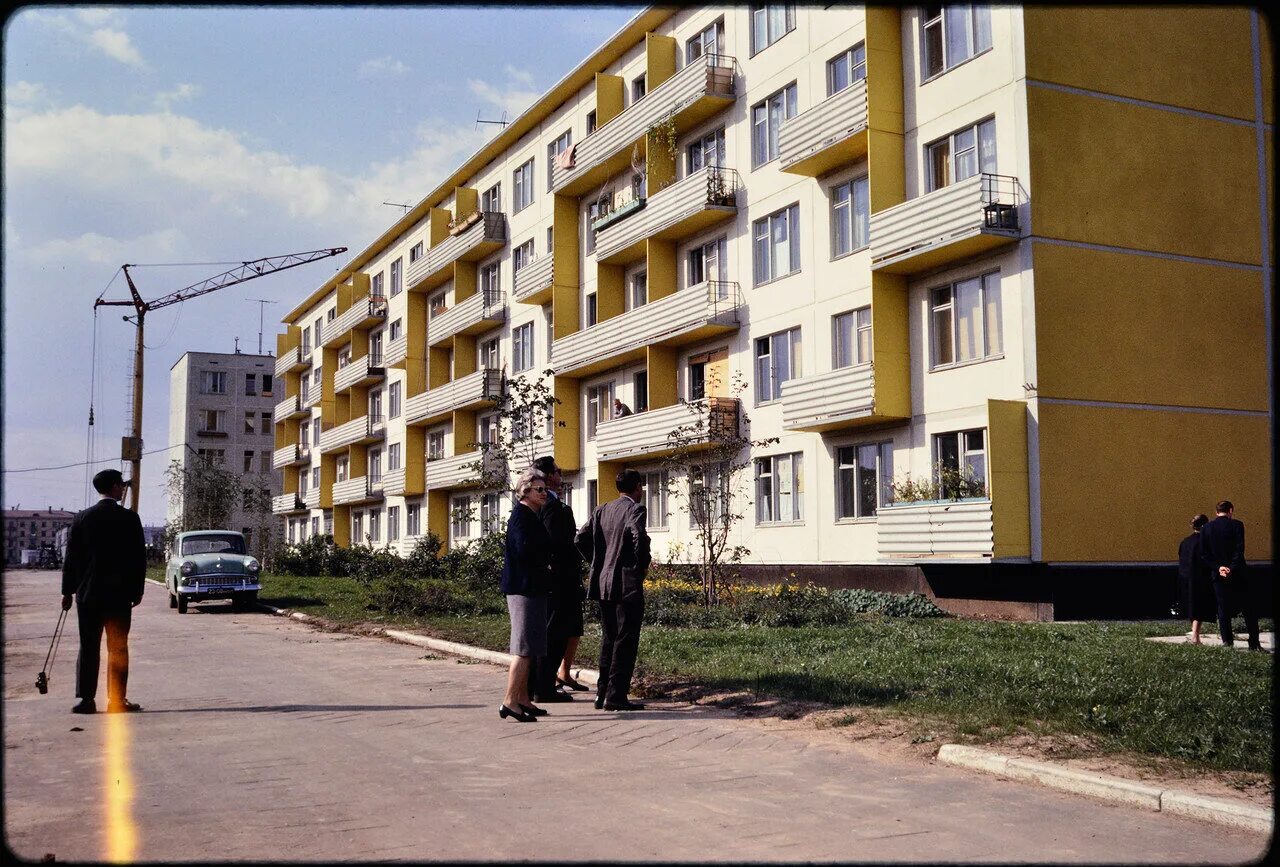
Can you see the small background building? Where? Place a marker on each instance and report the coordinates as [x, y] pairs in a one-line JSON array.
[[26, 530]]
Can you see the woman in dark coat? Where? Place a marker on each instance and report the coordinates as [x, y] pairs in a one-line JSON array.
[[1199, 602], [526, 578]]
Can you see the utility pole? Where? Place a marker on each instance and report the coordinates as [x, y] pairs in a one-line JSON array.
[[260, 302]]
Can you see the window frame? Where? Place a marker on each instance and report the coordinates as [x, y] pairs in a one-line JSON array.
[[852, 465], [988, 283], [522, 347], [940, 20], [522, 186], [769, 389], [791, 213], [850, 54], [855, 346], [850, 219], [787, 97], [788, 24], [768, 473], [952, 155]]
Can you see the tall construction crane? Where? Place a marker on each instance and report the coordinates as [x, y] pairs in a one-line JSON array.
[[131, 445]]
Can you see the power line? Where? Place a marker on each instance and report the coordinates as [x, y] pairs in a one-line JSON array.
[[86, 463]]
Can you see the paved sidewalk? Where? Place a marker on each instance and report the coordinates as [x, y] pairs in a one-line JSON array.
[[1211, 638], [264, 739]]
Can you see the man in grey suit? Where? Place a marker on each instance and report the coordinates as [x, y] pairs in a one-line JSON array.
[[616, 544]]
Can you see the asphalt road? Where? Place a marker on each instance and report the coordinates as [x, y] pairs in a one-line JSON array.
[[265, 739]]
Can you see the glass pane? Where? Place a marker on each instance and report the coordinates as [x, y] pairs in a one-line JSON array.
[[982, 27], [779, 246], [696, 271], [968, 319], [777, 21], [793, 232], [987, 145], [966, 155], [761, 261], [864, 335], [759, 134], [764, 378], [841, 240], [939, 165], [886, 473], [781, 360], [991, 329], [933, 50], [846, 502], [867, 487], [861, 213], [943, 351], [786, 489], [838, 74], [759, 29], [775, 124], [844, 341], [959, 37]]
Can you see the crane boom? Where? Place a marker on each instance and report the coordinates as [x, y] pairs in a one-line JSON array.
[[131, 446]]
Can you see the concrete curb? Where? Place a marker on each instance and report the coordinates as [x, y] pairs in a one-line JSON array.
[[1232, 813]]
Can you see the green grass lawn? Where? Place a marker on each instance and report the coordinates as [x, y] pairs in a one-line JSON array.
[[1202, 706]]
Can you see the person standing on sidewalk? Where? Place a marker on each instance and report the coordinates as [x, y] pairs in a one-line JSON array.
[[616, 544], [1222, 543], [564, 602], [526, 577], [1193, 575], [105, 571]]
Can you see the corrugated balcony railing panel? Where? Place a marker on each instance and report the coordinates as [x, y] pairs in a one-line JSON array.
[[311, 498], [688, 310], [961, 528], [828, 123], [343, 435], [694, 202], [397, 350], [358, 490], [648, 433], [286, 456], [290, 361], [366, 368], [288, 408], [362, 313], [981, 205], [533, 277], [283, 504], [468, 392], [711, 75], [312, 397], [459, 471], [393, 482], [415, 407], [827, 398], [481, 311], [478, 241]]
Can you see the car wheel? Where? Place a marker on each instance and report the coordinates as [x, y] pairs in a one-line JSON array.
[[182, 604], [173, 600], [249, 601]]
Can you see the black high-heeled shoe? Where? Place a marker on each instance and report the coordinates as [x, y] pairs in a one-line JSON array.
[[571, 684], [533, 711], [517, 715]]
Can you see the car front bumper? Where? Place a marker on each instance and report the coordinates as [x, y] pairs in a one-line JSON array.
[[218, 586]]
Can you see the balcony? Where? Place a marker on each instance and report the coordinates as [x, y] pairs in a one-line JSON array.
[[361, 489], [935, 529], [482, 311], [287, 504], [290, 407], [704, 198], [827, 401], [479, 239], [396, 352], [533, 281], [946, 226], [359, 371], [311, 498], [289, 456], [362, 313], [291, 361], [311, 397], [695, 93], [681, 318], [831, 134], [461, 471], [365, 429], [646, 434], [474, 391]]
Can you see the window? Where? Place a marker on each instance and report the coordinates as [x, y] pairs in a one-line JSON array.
[[708, 492], [393, 400], [591, 122], [522, 347], [638, 290], [340, 469], [777, 360], [306, 340], [851, 338], [706, 42], [490, 520], [315, 433], [264, 462], [248, 461], [251, 385], [965, 320], [415, 252], [460, 517], [864, 479], [375, 349], [393, 523], [655, 500], [766, 119], [554, 150], [304, 433], [777, 245], [246, 499], [489, 354], [487, 429], [375, 405], [393, 456], [266, 422], [266, 385], [640, 386], [375, 291], [396, 329], [779, 488], [248, 422], [846, 68], [550, 239], [962, 155], [315, 477], [491, 199], [375, 464], [413, 519], [592, 302], [599, 406], [436, 305], [850, 217], [212, 421], [964, 455], [769, 23], [397, 281], [950, 35], [331, 315], [214, 382], [706, 262], [706, 151], [375, 530], [593, 495], [522, 189], [592, 214], [521, 256], [637, 88], [489, 283], [435, 445]]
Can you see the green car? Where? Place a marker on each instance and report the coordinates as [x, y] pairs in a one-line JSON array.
[[211, 564]]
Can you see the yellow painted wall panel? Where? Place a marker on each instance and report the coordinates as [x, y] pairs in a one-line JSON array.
[[662, 374], [608, 97], [610, 291], [1125, 175], [1193, 57], [1009, 476], [565, 241], [342, 526], [885, 162], [438, 225], [660, 268], [466, 200], [1120, 485], [567, 437], [660, 59], [438, 517], [890, 345], [1268, 69], [1141, 329]]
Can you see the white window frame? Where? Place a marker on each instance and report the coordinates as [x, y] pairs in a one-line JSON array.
[[708, 41], [397, 276], [855, 59], [213, 382], [522, 256], [771, 234], [942, 28], [767, 117], [554, 149], [393, 456], [491, 199], [413, 519], [655, 499], [849, 464], [971, 451], [848, 349], [522, 187], [599, 405], [779, 476], [850, 211], [769, 23], [946, 320], [522, 347], [768, 378], [954, 149]]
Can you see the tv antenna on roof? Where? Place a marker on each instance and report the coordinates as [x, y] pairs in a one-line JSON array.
[[399, 205], [503, 122]]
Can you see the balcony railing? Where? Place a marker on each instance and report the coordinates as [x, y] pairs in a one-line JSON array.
[[648, 434], [289, 455], [960, 528], [290, 407], [365, 429], [482, 311], [367, 368], [832, 133], [311, 498], [703, 87], [473, 391], [361, 489], [945, 226], [362, 313], [682, 317], [828, 400], [289, 362], [284, 504], [312, 396], [466, 470], [688, 206], [479, 240], [397, 351], [533, 281]]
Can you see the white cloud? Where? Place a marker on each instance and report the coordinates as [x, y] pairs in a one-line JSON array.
[[381, 67], [116, 45], [96, 249], [166, 98], [100, 29], [24, 92], [513, 96], [521, 75]]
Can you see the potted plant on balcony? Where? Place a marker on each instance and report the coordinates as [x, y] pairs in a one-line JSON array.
[[719, 189], [663, 136], [945, 483], [461, 223]]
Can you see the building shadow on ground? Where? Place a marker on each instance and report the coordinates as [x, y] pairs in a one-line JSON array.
[[313, 708]]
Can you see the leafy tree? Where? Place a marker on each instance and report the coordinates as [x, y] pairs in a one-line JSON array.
[[207, 494], [526, 418]]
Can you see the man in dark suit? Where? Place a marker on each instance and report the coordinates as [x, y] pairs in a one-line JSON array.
[[564, 602], [616, 544], [1222, 546], [105, 570]]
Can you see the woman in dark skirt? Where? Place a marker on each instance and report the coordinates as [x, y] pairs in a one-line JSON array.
[[1199, 603], [526, 578]]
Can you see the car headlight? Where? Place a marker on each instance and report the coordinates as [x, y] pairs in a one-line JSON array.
[[187, 567], [253, 566]]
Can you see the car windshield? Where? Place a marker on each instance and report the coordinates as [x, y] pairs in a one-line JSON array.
[[228, 544]]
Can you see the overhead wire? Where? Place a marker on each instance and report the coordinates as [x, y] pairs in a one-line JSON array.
[[82, 463]]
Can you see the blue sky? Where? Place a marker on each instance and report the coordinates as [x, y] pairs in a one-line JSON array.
[[202, 134]]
